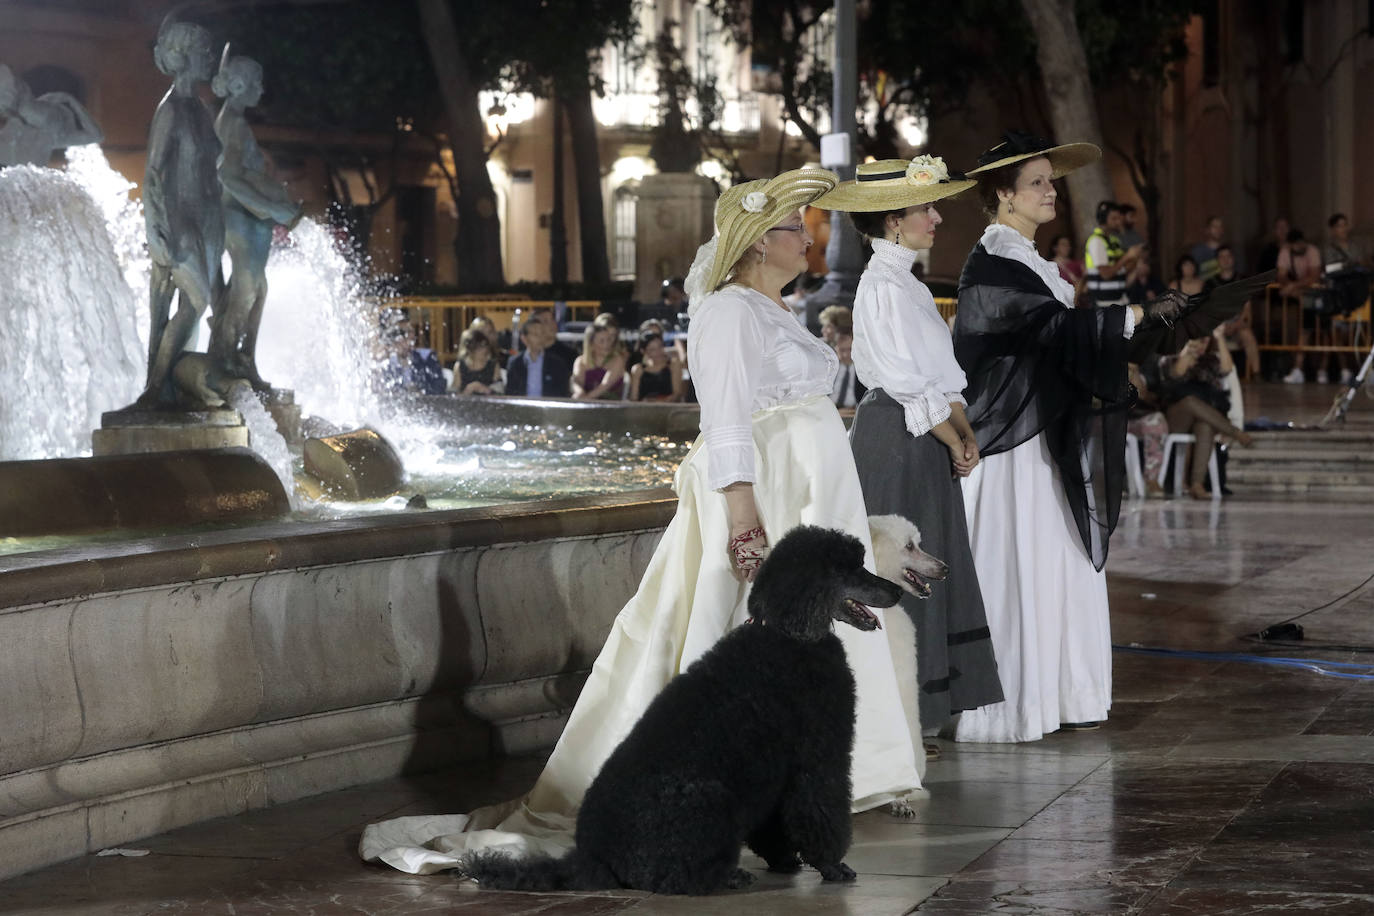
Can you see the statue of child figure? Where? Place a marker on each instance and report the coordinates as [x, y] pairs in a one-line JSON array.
[[254, 205], [181, 204]]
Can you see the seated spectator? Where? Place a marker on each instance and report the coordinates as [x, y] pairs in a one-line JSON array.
[[836, 320], [1269, 254], [1129, 235], [802, 287], [1186, 279], [1147, 423], [1342, 253], [1239, 331], [673, 295], [646, 327], [408, 367], [1300, 268], [1204, 253], [1061, 253], [1144, 286], [657, 376], [488, 327], [539, 371], [476, 371], [848, 391], [599, 373], [1196, 397]]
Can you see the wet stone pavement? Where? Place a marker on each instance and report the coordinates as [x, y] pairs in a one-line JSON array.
[[1217, 786]]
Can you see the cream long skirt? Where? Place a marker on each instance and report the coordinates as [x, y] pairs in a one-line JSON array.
[[687, 600], [1046, 605]]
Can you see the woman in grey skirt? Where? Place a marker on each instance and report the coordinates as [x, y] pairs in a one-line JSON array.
[[910, 438]]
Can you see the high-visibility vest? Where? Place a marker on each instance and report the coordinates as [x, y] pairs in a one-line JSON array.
[[1104, 292]]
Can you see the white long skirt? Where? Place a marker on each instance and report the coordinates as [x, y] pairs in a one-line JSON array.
[[1046, 605], [686, 601]]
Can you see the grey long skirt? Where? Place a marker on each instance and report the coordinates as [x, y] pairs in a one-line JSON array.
[[911, 476]]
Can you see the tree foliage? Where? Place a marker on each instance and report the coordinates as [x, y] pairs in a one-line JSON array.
[[353, 73], [780, 36], [913, 63], [353, 65]]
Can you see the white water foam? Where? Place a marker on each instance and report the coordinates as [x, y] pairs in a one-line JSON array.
[[265, 439], [319, 329], [70, 347]]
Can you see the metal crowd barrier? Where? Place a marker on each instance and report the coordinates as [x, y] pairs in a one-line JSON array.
[[443, 319], [1279, 326]]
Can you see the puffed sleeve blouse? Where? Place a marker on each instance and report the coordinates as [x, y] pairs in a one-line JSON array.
[[747, 354], [901, 344]]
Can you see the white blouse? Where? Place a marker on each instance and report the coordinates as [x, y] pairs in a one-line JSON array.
[[1006, 242], [747, 354], [901, 344]]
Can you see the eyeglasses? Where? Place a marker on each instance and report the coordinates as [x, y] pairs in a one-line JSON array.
[[801, 228]]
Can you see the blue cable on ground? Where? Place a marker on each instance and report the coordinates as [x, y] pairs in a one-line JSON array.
[[1324, 668]]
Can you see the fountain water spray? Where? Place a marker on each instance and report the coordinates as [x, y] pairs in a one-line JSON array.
[[265, 439], [70, 347]]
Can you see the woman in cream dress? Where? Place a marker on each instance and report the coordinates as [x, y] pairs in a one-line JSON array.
[[772, 454]]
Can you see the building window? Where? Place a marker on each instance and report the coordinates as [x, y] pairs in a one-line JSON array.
[[705, 38], [623, 231]]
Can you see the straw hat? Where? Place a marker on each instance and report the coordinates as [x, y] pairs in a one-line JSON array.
[[895, 184], [1017, 145], [746, 211]]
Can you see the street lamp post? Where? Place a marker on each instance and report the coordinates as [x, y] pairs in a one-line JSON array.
[[837, 154]]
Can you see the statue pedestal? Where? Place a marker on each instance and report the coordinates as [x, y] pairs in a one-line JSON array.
[[674, 214], [136, 430]]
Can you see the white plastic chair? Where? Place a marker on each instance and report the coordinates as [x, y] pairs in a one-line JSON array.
[[1187, 439], [1135, 479]]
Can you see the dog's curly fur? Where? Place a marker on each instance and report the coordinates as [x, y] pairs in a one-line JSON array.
[[751, 744]]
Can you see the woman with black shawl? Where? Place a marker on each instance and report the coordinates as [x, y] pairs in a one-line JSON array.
[[1047, 397]]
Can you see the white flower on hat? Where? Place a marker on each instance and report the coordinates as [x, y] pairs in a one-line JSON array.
[[755, 202], [927, 170]]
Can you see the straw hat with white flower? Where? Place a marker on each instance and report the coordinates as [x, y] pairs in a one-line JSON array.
[[743, 214], [894, 184]]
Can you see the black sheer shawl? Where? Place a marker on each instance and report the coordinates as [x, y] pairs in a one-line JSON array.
[[1035, 366]]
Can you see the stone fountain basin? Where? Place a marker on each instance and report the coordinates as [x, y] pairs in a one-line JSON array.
[[161, 681]]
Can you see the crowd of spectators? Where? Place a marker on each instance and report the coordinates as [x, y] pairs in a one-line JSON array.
[[1318, 294], [1313, 295]]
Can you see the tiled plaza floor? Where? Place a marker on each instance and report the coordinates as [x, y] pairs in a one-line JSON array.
[[1217, 787]]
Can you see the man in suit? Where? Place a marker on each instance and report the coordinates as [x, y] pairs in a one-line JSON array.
[[848, 390], [539, 371]]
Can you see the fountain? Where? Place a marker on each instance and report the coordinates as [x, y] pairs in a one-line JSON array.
[[159, 677]]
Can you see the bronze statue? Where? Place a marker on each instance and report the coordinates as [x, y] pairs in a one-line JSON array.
[[254, 205], [36, 127], [181, 204]]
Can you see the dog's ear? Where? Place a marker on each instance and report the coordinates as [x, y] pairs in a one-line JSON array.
[[850, 551]]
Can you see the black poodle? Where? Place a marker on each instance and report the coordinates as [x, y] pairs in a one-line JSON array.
[[751, 744]]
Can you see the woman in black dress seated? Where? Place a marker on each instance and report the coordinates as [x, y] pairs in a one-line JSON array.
[[1196, 399], [658, 374], [476, 371]]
